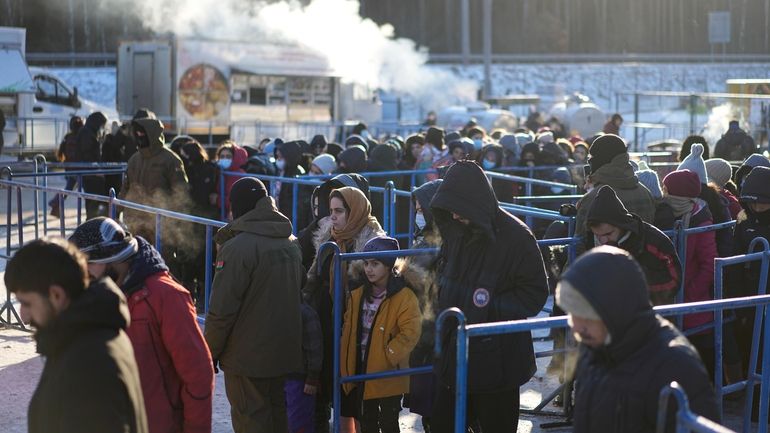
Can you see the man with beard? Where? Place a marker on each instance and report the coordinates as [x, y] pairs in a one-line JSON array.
[[627, 352], [610, 223], [90, 382], [491, 269], [175, 366]]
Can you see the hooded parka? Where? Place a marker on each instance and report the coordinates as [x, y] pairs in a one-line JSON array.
[[618, 384], [618, 174], [492, 270], [254, 323]]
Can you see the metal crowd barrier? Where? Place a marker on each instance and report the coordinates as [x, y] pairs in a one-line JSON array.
[[686, 420], [112, 204]]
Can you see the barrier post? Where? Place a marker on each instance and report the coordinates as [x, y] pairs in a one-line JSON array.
[[461, 375], [294, 194], [35, 198], [45, 194], [80, 199], [207, 271], [718, 335], [410, 239], [19, 215], [222, 216], [387, 195], [336, 325], [157, 231], [636, 121], [111, 208], [392, 211], [62, 226]]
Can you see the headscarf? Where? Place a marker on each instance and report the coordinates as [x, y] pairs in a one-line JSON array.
[[359, 216]]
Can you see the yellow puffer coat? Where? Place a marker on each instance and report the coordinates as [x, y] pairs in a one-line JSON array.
[[395, 332]]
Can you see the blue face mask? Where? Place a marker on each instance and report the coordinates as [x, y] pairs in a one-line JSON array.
[[419, 220], [224, 164], [488, 165], [478, 143], [557, 189]]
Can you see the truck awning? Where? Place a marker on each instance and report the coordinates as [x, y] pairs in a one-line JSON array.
[[14, 75]]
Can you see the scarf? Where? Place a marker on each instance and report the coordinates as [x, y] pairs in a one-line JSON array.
[[359, 216], [682, 207]]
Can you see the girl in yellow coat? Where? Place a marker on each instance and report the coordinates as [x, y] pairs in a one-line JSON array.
[[382, 326]]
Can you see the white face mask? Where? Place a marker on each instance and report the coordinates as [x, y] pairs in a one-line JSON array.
[[419, 220], [224, 164], [281, 164], [557, 189]]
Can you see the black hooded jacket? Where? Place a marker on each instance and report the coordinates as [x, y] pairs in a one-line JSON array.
[[492, 270], [90, 382], [353, 159], [88, 147], [292, 154], [650, 247], [385, 158], [618, 384]]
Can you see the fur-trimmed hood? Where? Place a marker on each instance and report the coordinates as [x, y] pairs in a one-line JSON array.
[[324, 234]]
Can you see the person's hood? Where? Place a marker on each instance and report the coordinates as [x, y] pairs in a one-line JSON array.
[[292, 153], [616, 287], [356, 140], [318, 141], [95, 121], [424, 195], [384, 158], [154, 130], [147, 261], [497, 150], [510, 144], [324, 190], [553, 153], [618, 173], [240, 158], [263, 220], [101, 306], [354, 159], [467, 192], [756, 188], [530, 147], [607, 208]]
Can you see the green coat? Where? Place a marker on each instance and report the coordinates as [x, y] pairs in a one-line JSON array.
[[254, 323], [618, 174]]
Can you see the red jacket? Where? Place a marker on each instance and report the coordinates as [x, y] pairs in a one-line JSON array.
[[699, 269], [732, 203], [174, 362]]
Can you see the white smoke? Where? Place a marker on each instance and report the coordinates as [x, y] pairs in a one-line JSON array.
[[358, 49], [718, 122]]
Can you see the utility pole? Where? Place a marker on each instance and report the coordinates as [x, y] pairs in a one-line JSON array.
[[465, 30], [487, 40]]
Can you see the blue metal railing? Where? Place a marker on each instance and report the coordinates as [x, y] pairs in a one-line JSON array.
[[686, 420]]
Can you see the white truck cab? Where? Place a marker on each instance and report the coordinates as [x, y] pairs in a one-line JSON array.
[[37, 104]]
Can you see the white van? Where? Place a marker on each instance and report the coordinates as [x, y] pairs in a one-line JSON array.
[[37, 104]]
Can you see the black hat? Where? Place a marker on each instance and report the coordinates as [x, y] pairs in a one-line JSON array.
[[318, 141], [333, 149], [356, 140], [245, 194], [435, 136], [103, 240], [756, 187], [604, 149]]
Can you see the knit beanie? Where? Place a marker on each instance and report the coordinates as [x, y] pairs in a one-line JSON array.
[[694, 162], [435, 136], [605, 148], [573, 302], [382, 243], [103, 240], [719, 171], [245, 194], [756, 188], [325, 162], [649, 178], [682, 183]]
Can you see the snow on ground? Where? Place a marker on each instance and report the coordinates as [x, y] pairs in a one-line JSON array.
[[600, 81]]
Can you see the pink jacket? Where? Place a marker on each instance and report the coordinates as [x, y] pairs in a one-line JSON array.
[[174, 362], [699, 270]]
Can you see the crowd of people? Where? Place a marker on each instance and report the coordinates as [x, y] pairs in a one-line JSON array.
[[116, 318]]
